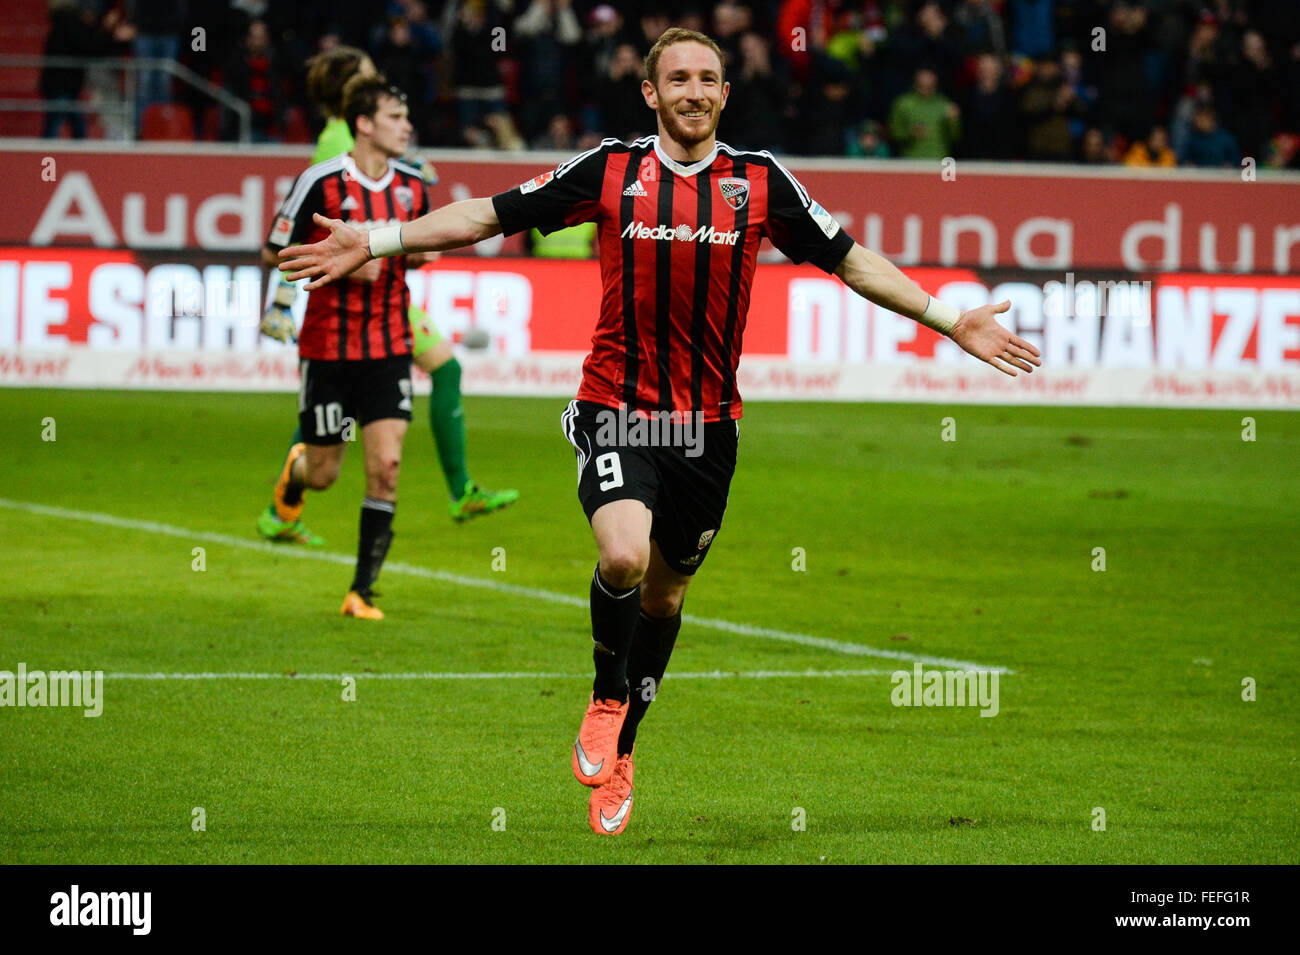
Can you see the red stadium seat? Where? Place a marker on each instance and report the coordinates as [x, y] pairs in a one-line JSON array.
[[167, 121]]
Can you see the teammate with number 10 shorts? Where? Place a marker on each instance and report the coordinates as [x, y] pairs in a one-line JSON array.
[[680, 219], [355, 347], [326, 75]]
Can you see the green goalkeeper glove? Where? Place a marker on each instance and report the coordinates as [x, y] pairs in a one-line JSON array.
[[278, 323], [427, 170]]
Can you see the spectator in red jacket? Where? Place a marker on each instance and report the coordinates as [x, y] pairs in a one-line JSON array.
[[253, 75]]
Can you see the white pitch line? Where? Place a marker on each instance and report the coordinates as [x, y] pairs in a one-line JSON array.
[[521, 675], [532, 593]]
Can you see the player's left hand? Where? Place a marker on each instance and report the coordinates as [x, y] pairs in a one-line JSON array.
[[339, 254], [978, 333]]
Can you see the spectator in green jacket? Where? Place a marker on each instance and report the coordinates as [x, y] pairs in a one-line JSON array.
[[924, 123]]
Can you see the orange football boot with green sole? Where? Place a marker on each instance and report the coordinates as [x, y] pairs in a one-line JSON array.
[[355, 605]]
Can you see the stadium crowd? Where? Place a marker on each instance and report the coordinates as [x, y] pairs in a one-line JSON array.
[[1156, 83]]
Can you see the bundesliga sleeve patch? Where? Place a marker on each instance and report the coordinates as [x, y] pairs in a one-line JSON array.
[[825, 221], [281, 231], [532, 185]]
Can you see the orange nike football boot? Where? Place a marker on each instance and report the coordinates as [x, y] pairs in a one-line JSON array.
[[288, 513], [355, 605], [611, 804], [596, 749]]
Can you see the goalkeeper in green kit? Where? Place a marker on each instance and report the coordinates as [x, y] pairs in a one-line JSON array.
[[326, 75]]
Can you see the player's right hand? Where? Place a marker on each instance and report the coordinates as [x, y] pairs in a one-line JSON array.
[[277, 323], [339, 254], [979, 333]]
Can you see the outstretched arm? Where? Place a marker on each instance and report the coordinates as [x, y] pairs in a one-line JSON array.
[[876, 278], [346, 249]]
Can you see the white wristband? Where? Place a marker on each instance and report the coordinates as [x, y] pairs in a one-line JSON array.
[[386, 241], [942, 318]]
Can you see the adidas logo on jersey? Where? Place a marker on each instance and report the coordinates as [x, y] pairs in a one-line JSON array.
[[349, 204], [636, 189]]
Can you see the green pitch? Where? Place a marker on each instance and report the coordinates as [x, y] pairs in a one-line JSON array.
[[1125, 690]]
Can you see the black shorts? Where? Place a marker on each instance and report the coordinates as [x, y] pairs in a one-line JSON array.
[[332, 393], [682, 473]]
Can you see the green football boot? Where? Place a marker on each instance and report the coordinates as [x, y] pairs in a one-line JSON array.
[[293, 532], [477, 500]]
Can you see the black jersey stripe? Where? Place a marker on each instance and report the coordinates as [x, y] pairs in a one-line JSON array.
[[391, 267], [733, 298], [341, 294], [699, 321], [663, 252], [626, 208], [365, 287]]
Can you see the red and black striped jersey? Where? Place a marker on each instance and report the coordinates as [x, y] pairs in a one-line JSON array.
[[349, 319], [678, 246]]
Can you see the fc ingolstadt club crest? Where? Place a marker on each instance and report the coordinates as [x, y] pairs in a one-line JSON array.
[[735, 192]]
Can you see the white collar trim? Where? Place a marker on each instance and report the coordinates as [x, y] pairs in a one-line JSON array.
[[679, 168], [374, 185]]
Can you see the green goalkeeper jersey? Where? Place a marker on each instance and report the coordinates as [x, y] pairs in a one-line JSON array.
[[334, 140]]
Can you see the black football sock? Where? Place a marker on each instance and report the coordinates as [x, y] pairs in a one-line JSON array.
[[293, 490], [647, 659], [376, 535], [613, 619]]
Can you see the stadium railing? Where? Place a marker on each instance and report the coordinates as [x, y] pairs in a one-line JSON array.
[[128, 105]]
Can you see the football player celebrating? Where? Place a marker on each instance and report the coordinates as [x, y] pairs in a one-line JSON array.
[[680, 219]]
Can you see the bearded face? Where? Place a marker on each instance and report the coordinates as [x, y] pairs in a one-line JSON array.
[[689, 95]]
